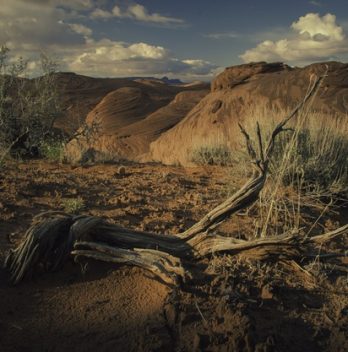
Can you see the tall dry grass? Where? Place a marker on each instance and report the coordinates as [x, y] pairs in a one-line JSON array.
[[214, 149], [308, 173]]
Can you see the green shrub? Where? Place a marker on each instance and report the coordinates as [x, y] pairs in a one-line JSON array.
[[28, 107], [52, 150], [73, 205]]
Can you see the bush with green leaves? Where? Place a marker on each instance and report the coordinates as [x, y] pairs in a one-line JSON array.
[[52, 150], [28, 107], [73, 205]]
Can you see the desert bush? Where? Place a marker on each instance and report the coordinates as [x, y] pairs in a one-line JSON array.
[[318, 160], [91, 156], [52, 150], [313, 154], [212, 155], [73, 205], [308, 176], [28, 107]]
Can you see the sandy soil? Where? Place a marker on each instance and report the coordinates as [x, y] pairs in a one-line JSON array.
[[232, 304]]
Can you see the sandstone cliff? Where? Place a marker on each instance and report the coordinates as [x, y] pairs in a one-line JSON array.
[[238, 94]]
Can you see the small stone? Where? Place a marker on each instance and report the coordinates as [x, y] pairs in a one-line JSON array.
[[266, 292], [121, 171]]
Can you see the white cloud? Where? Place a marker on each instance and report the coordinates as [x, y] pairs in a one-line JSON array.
[[80, 29], [108, 58], [29, 24], [147, 51], [58, 27], [116, 11], [314, 25], [99, 13], [135, 12], [140, 13], [314, 38], [71, 4]]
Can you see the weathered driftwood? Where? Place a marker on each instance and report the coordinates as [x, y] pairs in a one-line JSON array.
[[54, 237], [49, 243]]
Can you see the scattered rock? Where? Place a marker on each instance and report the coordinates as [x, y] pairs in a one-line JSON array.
[[266, 292], [121, 171]]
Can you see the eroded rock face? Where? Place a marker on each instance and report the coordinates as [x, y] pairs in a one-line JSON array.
[[128, 119], [244, 93], [80, 94], [235, 75]]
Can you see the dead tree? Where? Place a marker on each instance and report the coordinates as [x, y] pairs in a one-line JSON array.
[[55, 236]]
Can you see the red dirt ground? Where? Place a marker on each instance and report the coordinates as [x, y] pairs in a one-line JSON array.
[[234, 304]]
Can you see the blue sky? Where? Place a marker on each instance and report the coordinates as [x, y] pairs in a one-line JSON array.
[[177, 38]]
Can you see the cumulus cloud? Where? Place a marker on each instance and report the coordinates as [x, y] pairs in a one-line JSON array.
[[103, 14], [80, 29], [313, 38], [135, 12], [313, 25], [59, 27], [33, 24], [140, 13], [109, 58]]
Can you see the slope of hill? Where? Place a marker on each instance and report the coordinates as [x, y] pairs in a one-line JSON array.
[[79, 94], [130, 118], [238, 94]]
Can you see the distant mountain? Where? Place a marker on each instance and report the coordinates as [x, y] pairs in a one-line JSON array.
[[164, 79]]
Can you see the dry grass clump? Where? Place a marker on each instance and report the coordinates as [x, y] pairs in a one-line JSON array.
[[212, 155], [318, 156], [212, 150], [314, 150], [308, 172]]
